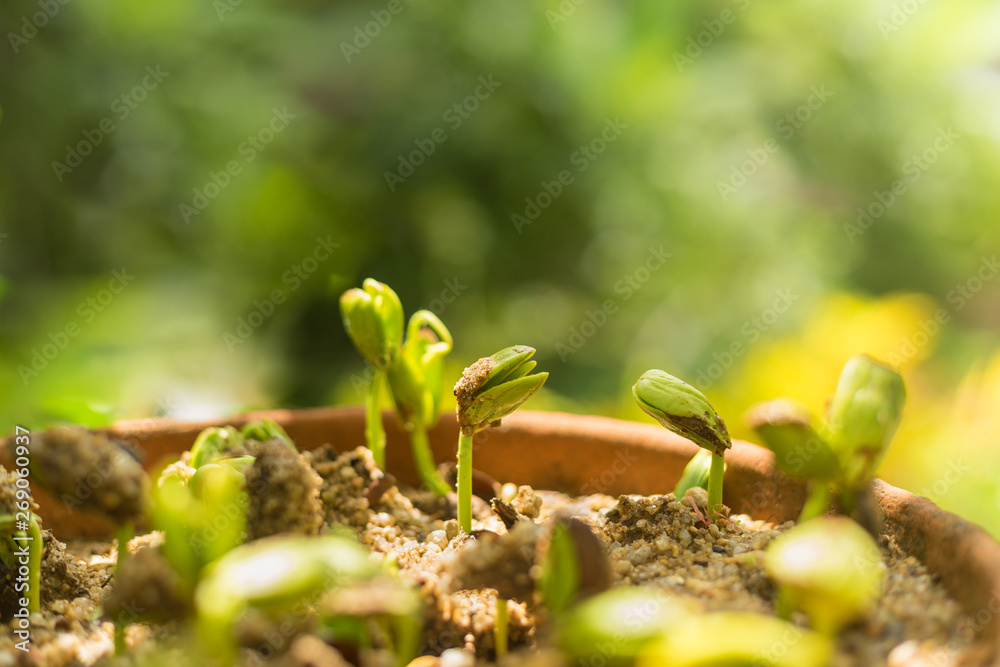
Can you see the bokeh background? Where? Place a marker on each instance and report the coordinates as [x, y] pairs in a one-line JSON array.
[[743, 193]]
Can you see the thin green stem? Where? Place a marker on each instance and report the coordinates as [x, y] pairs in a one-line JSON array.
[[816, 503], [424, 459], [500, 628], [124, 533], [374, 431], [34, 565], [465, 482], [715, 474]]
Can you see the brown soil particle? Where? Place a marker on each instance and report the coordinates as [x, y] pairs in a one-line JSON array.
[[283, 490], [147, 589], [89, 471], [500, 562], [345, 479]]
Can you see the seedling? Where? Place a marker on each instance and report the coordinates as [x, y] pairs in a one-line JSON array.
[[275, 574], [736, 638], [489, 390], [684, 410], [829, 567], [202, 508], [620, 624], [841, 457], [20, 538], [696, 473], [373, 317], [415, 379]]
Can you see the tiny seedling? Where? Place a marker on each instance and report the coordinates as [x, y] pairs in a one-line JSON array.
[[840, 457], [489, 390], [696, 473], [736, 638], [373, 318], [274, 574], [829, 567], [629, 619], [20, 538], [202, 508], [415, 380], [684, 410]]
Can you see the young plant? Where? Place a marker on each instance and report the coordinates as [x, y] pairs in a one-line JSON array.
[[280, 574], [373, 318], [841, 457], [415, 380], [629, 620], [736, 638], [489, 390], [20, 539], [829, 567], [202, 508], [684, 410], [696, 474]]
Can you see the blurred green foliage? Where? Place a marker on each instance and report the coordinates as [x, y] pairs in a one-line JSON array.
[[284, 118]]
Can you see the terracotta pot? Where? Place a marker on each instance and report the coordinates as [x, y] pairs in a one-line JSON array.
[[581, 455]]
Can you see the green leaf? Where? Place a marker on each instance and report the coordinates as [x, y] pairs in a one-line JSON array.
[[501, 400], [736, 638], [695, 473], [681, 408], [830, 567], [560, 578], [213, 443], [864, 413], [627, 620], [785, 428], [265, 429]]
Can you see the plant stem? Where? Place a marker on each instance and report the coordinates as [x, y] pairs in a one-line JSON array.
[[374, 431], [465, 482], [816, 503], [123, 533], [500, 627], [424, 459], [715, 481], [34, 565]]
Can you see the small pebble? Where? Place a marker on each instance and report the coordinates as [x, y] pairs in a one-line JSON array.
[[438, 537], [451, 529], [456, 657]]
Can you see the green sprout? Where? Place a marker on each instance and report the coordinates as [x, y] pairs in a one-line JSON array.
[[684, 410], [213, 443], [841, 457], [274, 574], [736, 638], [373, 318], [415, 380], [696, 473], [265, 429], [20, 537], [201, 508], [489, 390], [627, 619], [829, 567]]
